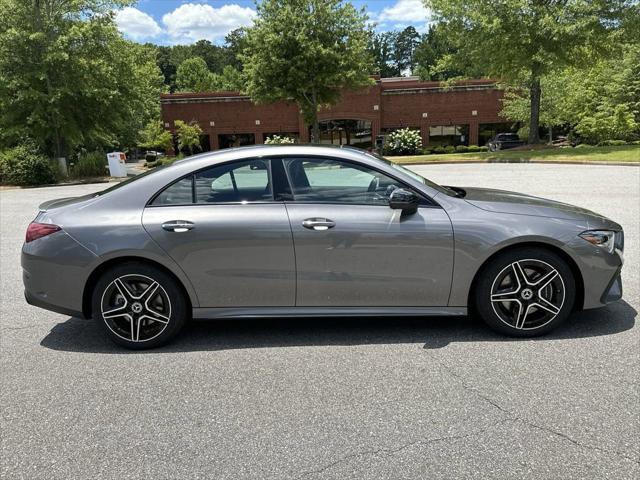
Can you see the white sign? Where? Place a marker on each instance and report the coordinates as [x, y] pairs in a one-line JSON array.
[[116, 164]]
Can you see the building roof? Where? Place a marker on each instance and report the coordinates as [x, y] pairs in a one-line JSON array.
[[388, 86]]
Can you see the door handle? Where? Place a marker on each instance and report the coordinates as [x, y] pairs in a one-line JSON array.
[[318, 223], [178, 226]]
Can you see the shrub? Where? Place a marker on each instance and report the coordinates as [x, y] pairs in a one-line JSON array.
[[462, 149], [449, 149], [484, 148], [614, 122], [25, 165], [438, 150], [279, 140], [404, 142], [427, 151], [612, 143], [473, 148], [91, 164]]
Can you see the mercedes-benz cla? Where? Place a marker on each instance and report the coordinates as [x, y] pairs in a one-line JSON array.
[[272, 231]]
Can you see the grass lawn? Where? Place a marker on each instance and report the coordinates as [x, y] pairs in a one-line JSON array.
[[626, 153]]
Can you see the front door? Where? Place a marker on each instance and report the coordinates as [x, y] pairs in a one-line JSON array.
[[353, 250], [233, 241]]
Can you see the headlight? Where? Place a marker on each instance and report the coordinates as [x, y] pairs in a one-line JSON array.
[[601, 238]]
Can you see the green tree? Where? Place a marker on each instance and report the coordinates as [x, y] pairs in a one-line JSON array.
[[167, 66], [380, 48], [213, 55], [230, 79], [306, 52], [193, 75], [188, 135], [68, 78], [234, 45], [602, 102], [434, 47], [216, 57], [154, 136], [139, 82], [405, 43], [598, 102], [522, 40], [516, 103]]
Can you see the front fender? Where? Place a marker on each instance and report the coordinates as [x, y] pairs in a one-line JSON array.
[[479, 234]]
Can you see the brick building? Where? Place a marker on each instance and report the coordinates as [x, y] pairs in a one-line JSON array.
[[466, 113]]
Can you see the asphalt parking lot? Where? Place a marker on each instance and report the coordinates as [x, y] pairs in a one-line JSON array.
[[341, 398]]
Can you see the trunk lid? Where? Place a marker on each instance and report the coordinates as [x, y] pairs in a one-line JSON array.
[[63, 202]]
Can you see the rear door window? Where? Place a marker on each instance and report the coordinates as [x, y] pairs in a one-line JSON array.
[[238, 182]]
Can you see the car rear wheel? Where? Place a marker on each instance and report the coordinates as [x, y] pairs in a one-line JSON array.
[[525, 292], [139, 306]]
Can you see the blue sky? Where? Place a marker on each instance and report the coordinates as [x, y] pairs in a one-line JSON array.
[[171, 22]]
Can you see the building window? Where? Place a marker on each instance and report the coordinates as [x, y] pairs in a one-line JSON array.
[[205, 143], [236, 140], [356, 133], [444, 135]]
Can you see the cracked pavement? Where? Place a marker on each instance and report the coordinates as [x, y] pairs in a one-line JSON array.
[[391, 398]]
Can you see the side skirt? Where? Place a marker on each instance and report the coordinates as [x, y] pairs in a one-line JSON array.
[[267, 312]]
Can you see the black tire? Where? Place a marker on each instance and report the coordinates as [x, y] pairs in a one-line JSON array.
[[513, 304], [148, 313]]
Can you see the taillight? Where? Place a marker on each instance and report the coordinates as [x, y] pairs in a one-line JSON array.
[[37, 230]]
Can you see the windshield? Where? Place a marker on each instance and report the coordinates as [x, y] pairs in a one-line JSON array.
[[413, 175]]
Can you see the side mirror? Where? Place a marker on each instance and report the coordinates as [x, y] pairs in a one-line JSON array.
[[401, 199]]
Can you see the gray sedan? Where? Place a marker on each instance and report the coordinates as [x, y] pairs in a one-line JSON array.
[[313, 231]]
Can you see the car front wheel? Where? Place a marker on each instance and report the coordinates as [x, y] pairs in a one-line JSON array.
[[525, 292], [139, 306]]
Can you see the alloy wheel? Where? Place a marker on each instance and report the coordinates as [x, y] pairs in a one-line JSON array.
[[527, 294], [136, 308]]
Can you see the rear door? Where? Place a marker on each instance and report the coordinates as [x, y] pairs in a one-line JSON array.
[[352, 249], [232, 239]]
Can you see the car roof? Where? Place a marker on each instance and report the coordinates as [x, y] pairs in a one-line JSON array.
[[237, 153]]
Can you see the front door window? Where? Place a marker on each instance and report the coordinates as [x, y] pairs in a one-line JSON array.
[[320, 180]]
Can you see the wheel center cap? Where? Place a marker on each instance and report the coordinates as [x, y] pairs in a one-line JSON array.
[[527, 294], [136, 307]]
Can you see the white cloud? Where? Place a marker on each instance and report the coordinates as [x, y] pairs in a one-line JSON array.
[[404, 13], [137, 25], [195, 21]]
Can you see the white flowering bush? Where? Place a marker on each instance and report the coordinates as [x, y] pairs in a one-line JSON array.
[[279, 140], [404, 142]]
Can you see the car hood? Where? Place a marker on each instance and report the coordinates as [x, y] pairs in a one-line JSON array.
[[501, 201]]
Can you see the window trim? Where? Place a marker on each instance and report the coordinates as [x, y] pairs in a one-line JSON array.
[[193, 186], [425, 200]]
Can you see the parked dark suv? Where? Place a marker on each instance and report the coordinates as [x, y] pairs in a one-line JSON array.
[[502, 141]]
